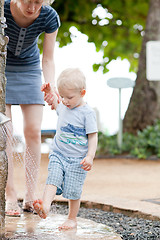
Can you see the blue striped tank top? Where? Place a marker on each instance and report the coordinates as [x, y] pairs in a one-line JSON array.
[[22, 49]]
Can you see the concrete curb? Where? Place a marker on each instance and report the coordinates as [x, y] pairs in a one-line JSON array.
[[111, 208]]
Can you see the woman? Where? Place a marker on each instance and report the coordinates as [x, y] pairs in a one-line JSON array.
[[26, 20]]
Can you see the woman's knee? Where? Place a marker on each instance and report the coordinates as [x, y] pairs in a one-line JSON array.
[[32, 132]]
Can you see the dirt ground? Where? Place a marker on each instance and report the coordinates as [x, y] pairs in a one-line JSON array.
[[125, 183]]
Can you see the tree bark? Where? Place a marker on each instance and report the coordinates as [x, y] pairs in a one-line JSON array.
[[3, 157], [144, 106]]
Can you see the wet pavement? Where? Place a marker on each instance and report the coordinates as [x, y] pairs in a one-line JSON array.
[[32, 227], [126, 186]]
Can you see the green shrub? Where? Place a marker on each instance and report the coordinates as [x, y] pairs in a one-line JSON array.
[[107, 145], [145, 144]]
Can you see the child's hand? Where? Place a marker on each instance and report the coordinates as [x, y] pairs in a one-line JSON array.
[[49, 98], [87, 163]]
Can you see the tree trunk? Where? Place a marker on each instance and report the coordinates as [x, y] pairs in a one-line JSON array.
[[3, 157], [144, 106]]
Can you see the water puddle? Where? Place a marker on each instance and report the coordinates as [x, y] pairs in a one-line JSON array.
[[32, 227]]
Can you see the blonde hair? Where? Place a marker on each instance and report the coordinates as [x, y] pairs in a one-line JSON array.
[[45, 2], [71, 78]]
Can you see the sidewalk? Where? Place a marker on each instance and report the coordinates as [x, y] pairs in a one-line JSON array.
[[121, 185]]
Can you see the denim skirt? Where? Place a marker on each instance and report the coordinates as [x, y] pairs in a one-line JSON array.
[[23, 85]]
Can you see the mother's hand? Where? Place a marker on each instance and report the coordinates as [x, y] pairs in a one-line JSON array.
[[51, 95]]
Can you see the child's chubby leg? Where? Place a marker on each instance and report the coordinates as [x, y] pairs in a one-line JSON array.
[[71, 221], [42, 207]]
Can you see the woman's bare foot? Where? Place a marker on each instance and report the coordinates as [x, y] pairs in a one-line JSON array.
[[68, 224], [38, 207]]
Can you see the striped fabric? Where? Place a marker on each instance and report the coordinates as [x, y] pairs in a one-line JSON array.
[[22, 49]]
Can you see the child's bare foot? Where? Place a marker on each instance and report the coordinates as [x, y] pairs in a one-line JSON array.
[[38, 206], [68, 224]]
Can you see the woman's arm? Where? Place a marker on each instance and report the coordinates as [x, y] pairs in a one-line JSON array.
[[48, 65]]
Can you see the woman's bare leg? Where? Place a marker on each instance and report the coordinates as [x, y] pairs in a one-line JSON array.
[[32, 117], [11, 196]]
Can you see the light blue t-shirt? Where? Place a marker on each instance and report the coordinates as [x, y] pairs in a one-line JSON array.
[[73, 126]]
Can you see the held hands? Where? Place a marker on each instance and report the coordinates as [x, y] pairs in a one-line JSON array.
[[50, 95], [46, 88], [87, 163]]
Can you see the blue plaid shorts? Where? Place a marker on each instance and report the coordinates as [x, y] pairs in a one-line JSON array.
[[67, 175]]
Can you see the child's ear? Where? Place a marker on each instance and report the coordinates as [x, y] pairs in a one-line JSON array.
[[83, 92]]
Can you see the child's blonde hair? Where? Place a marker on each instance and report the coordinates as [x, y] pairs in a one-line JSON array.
[[45, 2], [71, 78]]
